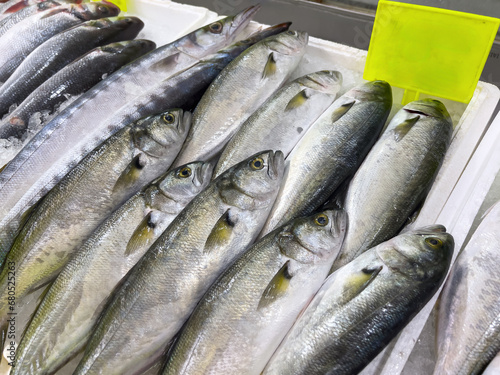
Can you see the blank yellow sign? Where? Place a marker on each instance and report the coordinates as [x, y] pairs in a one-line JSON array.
[[429, 50]]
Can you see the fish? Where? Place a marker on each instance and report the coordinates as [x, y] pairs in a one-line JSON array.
[[35, 30], [175, 91], [9, 7], [468, 329], [364, 304], [62, 49], [245, 84], [63, 322], [58, 137], [72, 80], [331, 151], [282, 120], [395, 176], [73, 209], [161, 291], [245, 314]]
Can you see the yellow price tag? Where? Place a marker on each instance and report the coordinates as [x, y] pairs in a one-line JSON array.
[[122, 4], [429, 50]]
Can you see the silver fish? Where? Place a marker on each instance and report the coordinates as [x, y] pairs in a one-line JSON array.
[[238, 91], [246, 313], [281, 121], [468, 329], [74, 79], [175, 91], [73, 209], [162, 290], [364, 304], [395, 176], [331, 151], [63, 322], [40, 27], [94, 107], [62, 49]]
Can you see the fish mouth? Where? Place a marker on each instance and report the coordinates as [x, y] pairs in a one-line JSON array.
[[242, 19], [276, 162]]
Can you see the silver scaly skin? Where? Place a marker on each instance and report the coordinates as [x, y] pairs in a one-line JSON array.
[[70, 212], [468, 328], [35, 169], [364, 304], [395, 176], [162, 290], [74, 79], [241, 88], [331, 151], [21, 39], [63, 322], [246, 313], [281, 121]]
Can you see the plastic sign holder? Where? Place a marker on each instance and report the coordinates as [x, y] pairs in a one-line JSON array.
[[429, 50]]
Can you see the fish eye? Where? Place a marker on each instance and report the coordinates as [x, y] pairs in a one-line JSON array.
[[102, 9], [168, 118], [184, 172], [257, 164], [216, 27], [290, 32], [321, 220], [434, 242]]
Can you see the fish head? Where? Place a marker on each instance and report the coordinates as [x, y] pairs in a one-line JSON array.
[[216, 35], [254, 182], [129, 49], [154, 135], [186, 181], [429, 108], [421, 254], [94, 10], [128, 27], [325, 81], [376, 91], [316, 238], [287, 43]]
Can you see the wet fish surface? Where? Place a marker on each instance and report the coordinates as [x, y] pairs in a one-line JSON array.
[[395, 176], [281, 121], [162, 290], [21, 39], [331, 151], [364, 304], [239, 90], [69, 310], [74, 79], [468, 329], [246, 313], [70, 212], [62, 49]]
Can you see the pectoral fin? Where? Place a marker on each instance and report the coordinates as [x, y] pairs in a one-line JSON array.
[[143, 235], [358, 281], [131, 174], [402, 129], [276, 287], [341, 111], [166, 63], [270, 68], [297, 100], [1, 169], [221, 233]]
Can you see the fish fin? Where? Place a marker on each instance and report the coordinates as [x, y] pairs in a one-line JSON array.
[[1, 169], [165, 63], [402, 129], [270, 68], [38, 302], [143, 235], [358, 281], [221, 232], [276, 287], [25, 216], [341, 111], [297, 100], [130, 174]]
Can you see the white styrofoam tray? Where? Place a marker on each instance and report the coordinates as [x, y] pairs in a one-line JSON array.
[[166, 20]]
